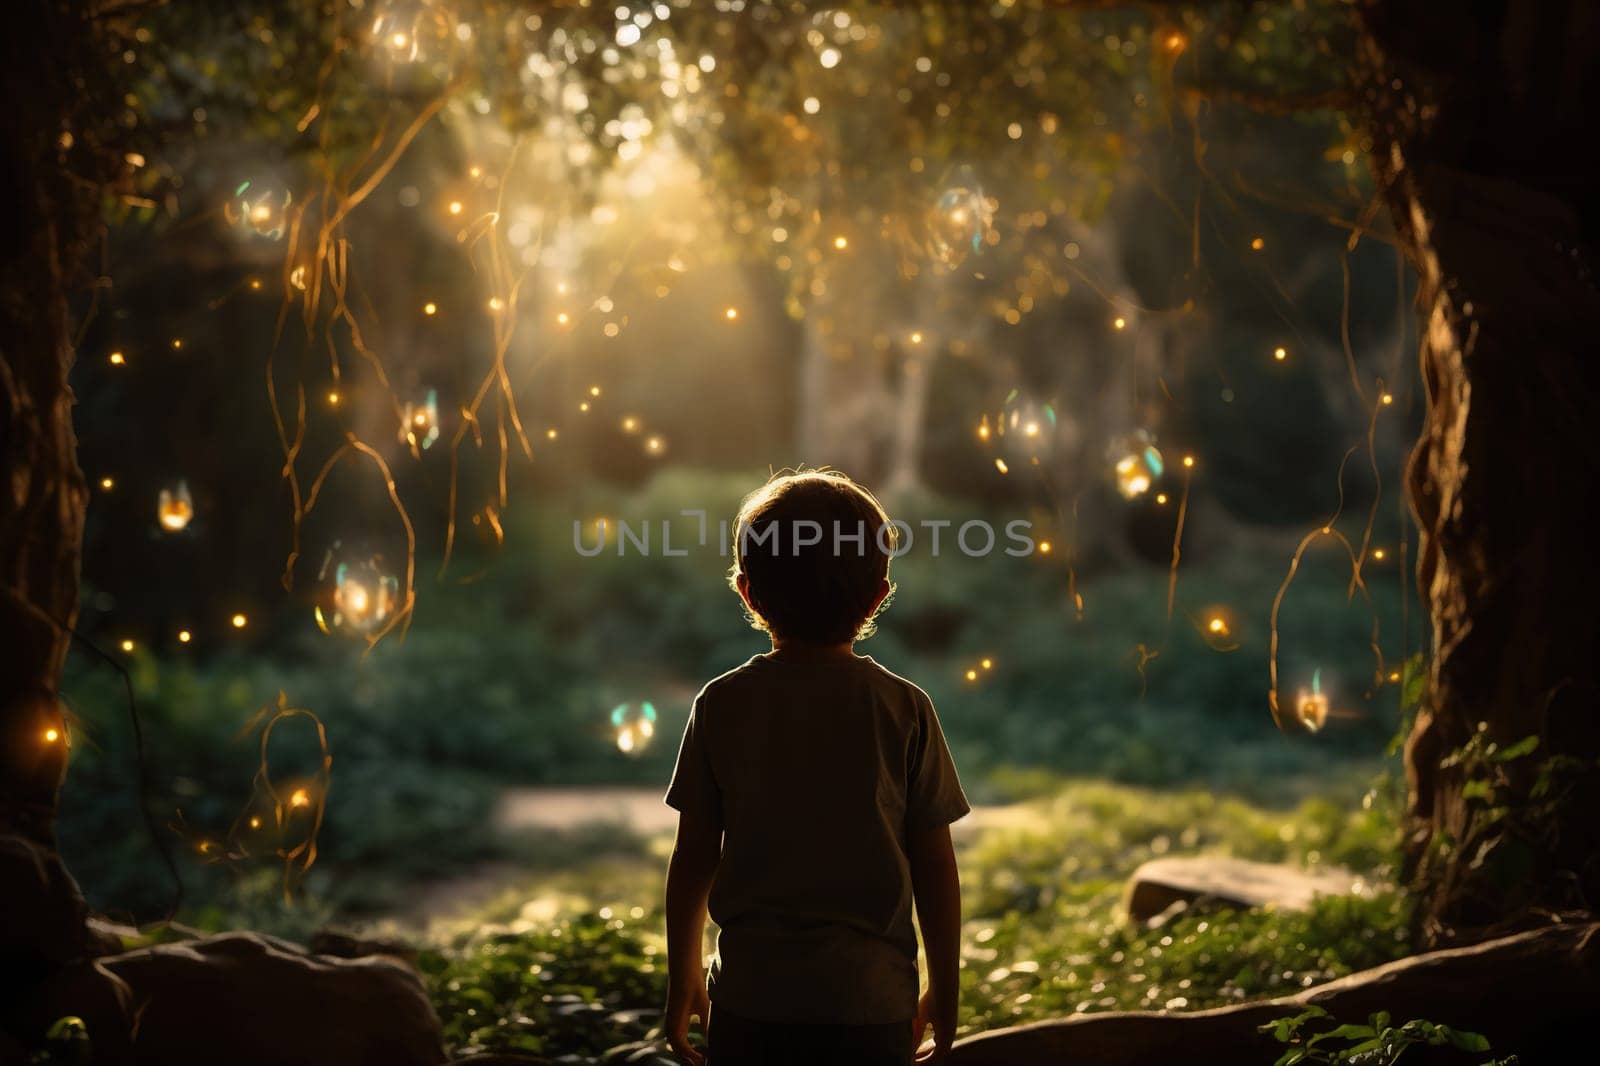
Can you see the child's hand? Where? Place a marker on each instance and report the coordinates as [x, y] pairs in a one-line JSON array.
[[682, 1003], [943, 1020]]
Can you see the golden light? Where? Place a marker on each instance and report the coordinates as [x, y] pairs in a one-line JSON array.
[[1258, 244], [419, 421], [1378, 554], [1044, 547], [1311, 710], [239, 621], [455, 207], [255, 283], [175, 507], [594, 390], [1188, 460], [551, 434], [496, 304], [333, 398], [655, 445], [299, 798], [1280, 354], [430, 308], [1031, 429], [916, 337], [731, 313], [1119, 322], [184, 636], [563, 318], [972, 675], [1218, 625], [362, 596], [255, 823], [584, 407], [841, 242], [1175, 42], [1394, 675], [117, 359], [1387, 398], [634, 727], [983, 428], [474, 172], [108, 483], [127, 645], [1000, 465], [1138, 465], [630, 424], [177, 343], [987, 664], [1161, 498], [52, 735]]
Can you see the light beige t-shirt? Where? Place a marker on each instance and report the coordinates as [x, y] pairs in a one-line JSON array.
[[815, 768]]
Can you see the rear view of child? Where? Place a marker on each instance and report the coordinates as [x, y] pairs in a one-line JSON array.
[[815, 795]]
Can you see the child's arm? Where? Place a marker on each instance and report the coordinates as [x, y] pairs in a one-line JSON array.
[[694, 863], [936, 887]]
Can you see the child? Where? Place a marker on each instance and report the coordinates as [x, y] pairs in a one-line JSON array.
[[815, 795]]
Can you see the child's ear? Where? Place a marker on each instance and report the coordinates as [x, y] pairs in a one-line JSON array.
[[743, 584]]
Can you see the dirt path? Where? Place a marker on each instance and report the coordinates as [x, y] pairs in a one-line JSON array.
[[532, 812]]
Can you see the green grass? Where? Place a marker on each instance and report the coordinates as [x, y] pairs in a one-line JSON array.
[[1043, 932]]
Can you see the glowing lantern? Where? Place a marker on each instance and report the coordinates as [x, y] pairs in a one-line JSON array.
[[359, 596], [419, 422], [1136, 464], [175, 507], [960, 220], [260, 209], [1311, 708], [633, 728]]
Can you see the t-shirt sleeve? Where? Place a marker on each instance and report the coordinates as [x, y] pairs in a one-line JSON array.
[[933, 796], [694, 788]]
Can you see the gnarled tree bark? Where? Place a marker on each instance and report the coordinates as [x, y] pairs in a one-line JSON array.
[[1478, 117]]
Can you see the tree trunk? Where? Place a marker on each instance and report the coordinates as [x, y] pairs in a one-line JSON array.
[[1480, 149], [52, 178], [41, 513]]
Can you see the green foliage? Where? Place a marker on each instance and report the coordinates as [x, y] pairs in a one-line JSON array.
[[581, 986], [509, 682], [1043, 933], [1315, 1037], [66, 1043]]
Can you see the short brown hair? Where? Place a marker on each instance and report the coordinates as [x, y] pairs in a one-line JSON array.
[[818, 591]]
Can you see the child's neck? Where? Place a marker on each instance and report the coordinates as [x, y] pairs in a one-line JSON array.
[[801, 649]]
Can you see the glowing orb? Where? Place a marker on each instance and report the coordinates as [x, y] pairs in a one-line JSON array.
[[413, 32], [419, 422], [175, 507], [359, 596], [259, 209], [633, 727], [960, 220], [1025, 427], [1136, 464], [1311, 707]]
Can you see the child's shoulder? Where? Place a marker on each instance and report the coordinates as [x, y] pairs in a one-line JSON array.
[[762, 672]]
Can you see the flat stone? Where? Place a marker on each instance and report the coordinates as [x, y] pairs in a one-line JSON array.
[[1160, 883]]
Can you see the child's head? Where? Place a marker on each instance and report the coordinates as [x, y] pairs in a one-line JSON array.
[[811, 557]]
